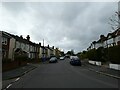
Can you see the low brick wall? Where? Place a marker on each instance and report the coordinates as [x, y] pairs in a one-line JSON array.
[[9, 66], [12, 65]]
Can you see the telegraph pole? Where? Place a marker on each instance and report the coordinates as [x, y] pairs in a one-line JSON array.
[[43, 42], [43, 51]]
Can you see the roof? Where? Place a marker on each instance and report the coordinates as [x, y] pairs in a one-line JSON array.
[[118, 32], [114, 34], [5, 34], [20, 39], [48, 47], [102, 39]]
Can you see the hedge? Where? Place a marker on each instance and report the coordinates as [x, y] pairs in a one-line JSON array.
[[100, 54], [22, 57], [91, 54], [114, 54], [6, 60], [111, 54], [96, 54]]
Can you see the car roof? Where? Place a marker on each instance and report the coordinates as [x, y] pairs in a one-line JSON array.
[[73, 57], [53, 57]]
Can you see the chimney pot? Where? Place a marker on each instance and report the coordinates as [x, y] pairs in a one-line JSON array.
[[28, 37]]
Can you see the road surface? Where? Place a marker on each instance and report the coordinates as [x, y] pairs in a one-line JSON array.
[[64, 75]]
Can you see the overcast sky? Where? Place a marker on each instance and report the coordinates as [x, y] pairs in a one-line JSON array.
[[71, 25]]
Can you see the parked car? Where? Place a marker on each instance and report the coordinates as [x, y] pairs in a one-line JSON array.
[[53, 60], [74, 60], [72, 57], [67, 56], [62, 58], [52, 56]]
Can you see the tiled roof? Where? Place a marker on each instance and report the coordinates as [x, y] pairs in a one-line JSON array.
[[5, 34], [102, 39], [23, 40], [118, 32], [114, 34]]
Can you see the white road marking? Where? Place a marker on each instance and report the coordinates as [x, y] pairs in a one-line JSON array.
[[9, 85], [17, 79], [12, 82]]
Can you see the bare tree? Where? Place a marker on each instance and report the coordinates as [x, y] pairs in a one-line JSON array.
[[114, 21]]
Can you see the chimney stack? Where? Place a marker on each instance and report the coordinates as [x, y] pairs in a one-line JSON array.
[[21, 36], [28, 37], [53, 47], [48, 45], [39, 43]]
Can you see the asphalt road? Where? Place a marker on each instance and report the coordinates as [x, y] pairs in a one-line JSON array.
[[64, 75]]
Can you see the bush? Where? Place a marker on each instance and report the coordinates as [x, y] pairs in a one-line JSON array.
[[111, 54], [97, 54], [105, 55], [91, 54], [114, 54], [6, 60], [82, 56], [31, 59], [22, 57], [100, 54]]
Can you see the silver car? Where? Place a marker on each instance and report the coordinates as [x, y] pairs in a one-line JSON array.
[[62, 58], [53, 60]]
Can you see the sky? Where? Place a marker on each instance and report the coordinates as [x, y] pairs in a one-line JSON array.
[[65, 25]]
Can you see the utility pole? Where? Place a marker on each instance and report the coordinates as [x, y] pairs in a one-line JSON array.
[[43, 51], [43, 42]]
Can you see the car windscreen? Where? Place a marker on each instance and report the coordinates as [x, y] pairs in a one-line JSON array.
[[53, 58], [74, 58]]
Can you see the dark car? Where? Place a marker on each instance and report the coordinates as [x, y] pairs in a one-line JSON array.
[[67, 56], [74, 60], [53, 60]]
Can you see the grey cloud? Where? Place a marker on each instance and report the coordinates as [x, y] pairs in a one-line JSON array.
[[66, 25], [82, 25], [14, 7]]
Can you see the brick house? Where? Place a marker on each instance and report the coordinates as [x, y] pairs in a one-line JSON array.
[[20, 43], [117, 38], [5, 45], [110, 40]]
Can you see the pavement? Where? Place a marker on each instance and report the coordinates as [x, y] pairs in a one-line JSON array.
[[17, 72], [11, 76], [104, 69]]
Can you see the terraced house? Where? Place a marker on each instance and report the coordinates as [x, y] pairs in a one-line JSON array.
[[25, 45], [50, 51], [110, 40], [5, 45], [13, 45]]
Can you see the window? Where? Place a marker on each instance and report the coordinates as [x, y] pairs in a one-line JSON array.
[[27, 47], [17, 44], [30, 48], [118, 38], [23, 46], [4, 40], [4, 55]]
